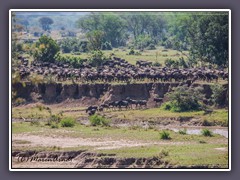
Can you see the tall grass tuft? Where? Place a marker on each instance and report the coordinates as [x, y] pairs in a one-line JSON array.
[[164, 135], [206, 132]]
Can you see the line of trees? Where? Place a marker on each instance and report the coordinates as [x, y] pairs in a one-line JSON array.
[[203, 34]]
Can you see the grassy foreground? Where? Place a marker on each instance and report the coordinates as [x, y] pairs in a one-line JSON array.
[[178, 150], [218, 117]]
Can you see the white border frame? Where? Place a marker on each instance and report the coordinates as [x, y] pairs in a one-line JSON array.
[[110, 10]]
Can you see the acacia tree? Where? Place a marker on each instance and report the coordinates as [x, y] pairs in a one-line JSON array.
[[45, 23]]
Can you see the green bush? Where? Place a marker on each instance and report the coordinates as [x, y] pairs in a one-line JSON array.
[[68, 122], [97, 120], [167, 106], [46, 49], [164, 135], [206, 132], [183, 99], [96, 58], [218, 95]]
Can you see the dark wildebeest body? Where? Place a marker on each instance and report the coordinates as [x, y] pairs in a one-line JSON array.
[[123, 103], [90, 108]]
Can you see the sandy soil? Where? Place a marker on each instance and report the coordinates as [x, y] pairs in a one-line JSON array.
[[66, 142]]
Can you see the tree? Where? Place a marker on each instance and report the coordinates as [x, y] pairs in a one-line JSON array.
[[16, 28], [95, 39], [112, 25], [46, 49], [209, 39], [145, 24], [45, 23], [205, 35]]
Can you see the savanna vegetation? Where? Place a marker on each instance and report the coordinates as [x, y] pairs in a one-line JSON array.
[[82, 68]]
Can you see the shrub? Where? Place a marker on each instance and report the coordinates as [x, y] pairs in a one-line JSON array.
[[183, 99], [68, 122], [167, 106], [182, 132], [97, 57], [97, 120], [206, 132], [165, 135], [218, 95], [46, 49], [19, 101]]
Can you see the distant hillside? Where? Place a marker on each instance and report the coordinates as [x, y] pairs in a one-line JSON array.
[[61, 19], [48, 13]]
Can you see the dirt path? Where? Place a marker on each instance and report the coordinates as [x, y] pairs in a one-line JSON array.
[[66, 142]]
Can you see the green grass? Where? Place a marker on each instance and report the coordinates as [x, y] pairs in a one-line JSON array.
[[68, 122], [191, 155], [149, 55], [218, 117], [35, 112], [140, 134], [179, 150], [26, 127]]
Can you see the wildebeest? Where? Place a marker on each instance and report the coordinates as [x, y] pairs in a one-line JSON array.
[[123, 103], [142, 103], [90, 108]]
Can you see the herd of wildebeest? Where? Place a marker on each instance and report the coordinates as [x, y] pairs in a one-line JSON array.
[[128, 103], [118, 70]]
